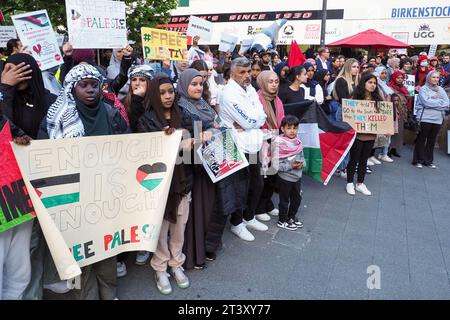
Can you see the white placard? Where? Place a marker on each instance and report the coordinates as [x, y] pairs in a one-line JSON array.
[[60, 39], [432, 50], [7, 33], [96, 24], [245, 45], [200, 27], [36, 32], [227, 42], [410, 83]]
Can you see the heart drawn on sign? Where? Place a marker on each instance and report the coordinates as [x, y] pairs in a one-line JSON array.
[[37, 48], [150, 176]]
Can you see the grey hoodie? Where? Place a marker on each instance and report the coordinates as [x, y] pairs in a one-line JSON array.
[[432, 101]]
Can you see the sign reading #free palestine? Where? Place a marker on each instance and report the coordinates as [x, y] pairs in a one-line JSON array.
[[160, 44], [96, 23]]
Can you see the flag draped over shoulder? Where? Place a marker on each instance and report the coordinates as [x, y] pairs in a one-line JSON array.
[[296, 56], [326, 143]]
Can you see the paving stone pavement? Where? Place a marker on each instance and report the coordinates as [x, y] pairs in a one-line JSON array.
[[403, 230]]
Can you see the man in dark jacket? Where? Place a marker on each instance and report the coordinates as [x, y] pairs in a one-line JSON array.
[[322, 62]]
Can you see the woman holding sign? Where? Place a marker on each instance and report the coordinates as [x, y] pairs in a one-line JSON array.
[[430, 108], [367, 89], [164, 114]]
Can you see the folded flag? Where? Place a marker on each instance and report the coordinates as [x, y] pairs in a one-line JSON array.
[[326, 143]]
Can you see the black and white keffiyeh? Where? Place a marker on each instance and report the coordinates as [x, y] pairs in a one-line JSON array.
[[141, 70], [63, 120]]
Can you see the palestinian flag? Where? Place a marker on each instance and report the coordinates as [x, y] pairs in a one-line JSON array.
[[58, 190], [325, 142]]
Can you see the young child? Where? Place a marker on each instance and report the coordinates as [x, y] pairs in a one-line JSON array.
[[288, 160]]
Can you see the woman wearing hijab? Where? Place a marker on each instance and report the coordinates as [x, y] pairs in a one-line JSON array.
[[431, 104], [322, 77], [138, 96], [313, 90], [164, 114], [396, 84], [78, 112], [282, 70], [27, 102], [269, 84], [195, 110], [119, 65]]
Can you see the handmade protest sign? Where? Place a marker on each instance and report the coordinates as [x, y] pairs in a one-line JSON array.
[[410, 83], [227, 42], [159, 44], [364, 117], [15, 203], [7, 33], [221, 157], [200, 27], [35, 31], [96, 23], [106, 194]]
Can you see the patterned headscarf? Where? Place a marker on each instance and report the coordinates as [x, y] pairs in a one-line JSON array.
[[141, 71], [63, 120]]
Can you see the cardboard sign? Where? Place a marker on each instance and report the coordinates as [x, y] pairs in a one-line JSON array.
[[227, 42], [96, 24], [15, 203], [7, 33], [36, 32], [159, 44], [106, 194], [245, 45], [221, 157], [410, 84], [200, 27], [364, 117]]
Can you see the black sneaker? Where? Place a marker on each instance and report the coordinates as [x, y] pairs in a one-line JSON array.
[[296, 222], [287, 226], [210, 256]]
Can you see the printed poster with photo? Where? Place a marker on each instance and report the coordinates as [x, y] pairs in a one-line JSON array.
[[36, 32], [221, 157]]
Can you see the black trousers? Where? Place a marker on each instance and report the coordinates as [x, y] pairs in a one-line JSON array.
[[265, 203], [290, 199], [424, 148], [359, 153], [255, 189]]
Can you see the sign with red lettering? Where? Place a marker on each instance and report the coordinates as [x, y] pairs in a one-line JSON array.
[[367, 117], [15, 203]]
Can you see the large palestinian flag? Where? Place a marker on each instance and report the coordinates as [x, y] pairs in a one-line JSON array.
[[326, 143]]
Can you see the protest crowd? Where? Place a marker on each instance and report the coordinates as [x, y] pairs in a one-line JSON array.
[[257, 96]]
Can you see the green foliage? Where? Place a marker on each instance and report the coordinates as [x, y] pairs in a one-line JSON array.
[[140, 13]]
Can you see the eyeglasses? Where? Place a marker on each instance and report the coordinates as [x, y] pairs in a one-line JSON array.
[[364, 67]]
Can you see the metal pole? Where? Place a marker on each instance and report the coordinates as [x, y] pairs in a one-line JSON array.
[[324, 22]]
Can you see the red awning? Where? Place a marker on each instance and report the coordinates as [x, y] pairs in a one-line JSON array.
[[369, 38]]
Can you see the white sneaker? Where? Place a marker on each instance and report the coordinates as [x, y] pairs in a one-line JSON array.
[[374, 160], [241, 231], [350, 189], [181, 279], [121, 269], [255, 225], [162, 282], [386, 158], [58, 287], [361, 187], [262, 217], [370, 163], [343, 174], [142, 257], [274, 212]]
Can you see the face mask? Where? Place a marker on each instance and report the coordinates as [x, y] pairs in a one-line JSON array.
[[423, 64]]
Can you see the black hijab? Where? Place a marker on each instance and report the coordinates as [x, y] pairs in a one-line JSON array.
[[30, 105]]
